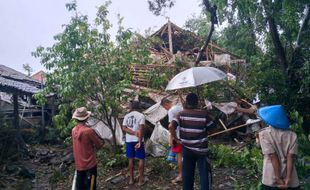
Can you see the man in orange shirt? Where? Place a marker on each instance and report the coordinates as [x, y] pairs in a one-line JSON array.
[[85, 142]]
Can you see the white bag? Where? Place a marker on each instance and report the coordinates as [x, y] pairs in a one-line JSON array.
[[160, 135]]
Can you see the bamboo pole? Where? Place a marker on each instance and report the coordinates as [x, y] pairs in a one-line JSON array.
[[231, 129]]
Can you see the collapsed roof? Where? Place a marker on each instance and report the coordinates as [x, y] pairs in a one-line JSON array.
[[184, 40]]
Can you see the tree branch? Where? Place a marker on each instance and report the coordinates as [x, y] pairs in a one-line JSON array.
[[279, 50], [304, 23]]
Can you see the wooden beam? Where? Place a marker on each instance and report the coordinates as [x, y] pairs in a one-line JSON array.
[[223, 124], [170, 37], [15, 112]]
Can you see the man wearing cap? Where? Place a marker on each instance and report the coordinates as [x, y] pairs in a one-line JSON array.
[[85, 142], [279, 146], [133, 125], [173, 111]]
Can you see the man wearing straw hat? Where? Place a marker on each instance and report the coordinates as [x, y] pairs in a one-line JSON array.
[[279, 146], [85, 142]]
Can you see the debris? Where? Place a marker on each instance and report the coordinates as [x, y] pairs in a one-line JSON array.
[[118, 179], [26, 173], [110, 178]]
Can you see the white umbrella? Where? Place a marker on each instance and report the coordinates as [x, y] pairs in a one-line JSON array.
[[195, 76]]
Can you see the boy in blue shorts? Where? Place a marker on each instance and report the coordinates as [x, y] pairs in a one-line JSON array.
[[133, 125]]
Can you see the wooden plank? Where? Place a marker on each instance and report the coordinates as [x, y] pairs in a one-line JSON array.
[[223, 124]]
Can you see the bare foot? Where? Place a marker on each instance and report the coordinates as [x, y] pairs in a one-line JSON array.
[[177, 179], [131, 181]]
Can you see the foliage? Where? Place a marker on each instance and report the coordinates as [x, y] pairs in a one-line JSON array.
[[303, 158], [267, 79], [28, 69], [88, 69], [56, 176], [200, 25], [158, 78], [156, 6], [248, 158], [109, 161], [303, 142], [4, 121], [160, 166], [249, 35]]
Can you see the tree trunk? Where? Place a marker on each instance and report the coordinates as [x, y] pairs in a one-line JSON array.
[[251, 27], [279, 50], [113, 131], [212, 10], [199, 56]]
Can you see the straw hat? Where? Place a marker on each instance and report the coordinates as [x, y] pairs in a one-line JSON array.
[[81, 114], [274, 116]]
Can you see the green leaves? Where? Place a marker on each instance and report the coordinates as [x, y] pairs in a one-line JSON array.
[[87, 68], [71, 6]]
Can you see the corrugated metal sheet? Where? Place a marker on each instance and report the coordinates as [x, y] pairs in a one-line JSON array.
[[12, 81], [10, 73], [11, 85]]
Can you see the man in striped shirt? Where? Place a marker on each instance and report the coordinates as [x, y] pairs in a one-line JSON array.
[[194, 125]]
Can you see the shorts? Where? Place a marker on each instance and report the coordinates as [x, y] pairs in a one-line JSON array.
[[177, 148], [131, 152]]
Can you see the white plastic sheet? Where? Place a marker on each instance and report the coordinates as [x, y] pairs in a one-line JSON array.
[[160, 135], [104, 132]]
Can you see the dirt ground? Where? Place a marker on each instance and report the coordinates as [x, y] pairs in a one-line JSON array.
[[52, 168], [52, 177]]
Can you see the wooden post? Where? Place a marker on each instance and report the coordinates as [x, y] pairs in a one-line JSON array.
[[42, 115], [20, 141], [170, 37], [16, 115]]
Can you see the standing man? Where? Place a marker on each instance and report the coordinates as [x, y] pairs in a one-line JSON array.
[[279, 146], [173, 111], [133, 125], [85, 142], [194, 125]]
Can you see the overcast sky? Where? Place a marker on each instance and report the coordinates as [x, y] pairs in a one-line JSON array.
[[27, 24]]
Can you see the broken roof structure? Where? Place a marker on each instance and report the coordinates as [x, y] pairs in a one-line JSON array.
[[17, 83], [176, 42], [184, 40]]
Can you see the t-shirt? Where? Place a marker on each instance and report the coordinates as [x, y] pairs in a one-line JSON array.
[[84, 142], [133, 120], [172, 115], [280, 142], [194, 125]]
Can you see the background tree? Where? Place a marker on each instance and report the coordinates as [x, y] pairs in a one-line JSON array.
[[28, 69], [273, 36], [88, 68], [276, 40]]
